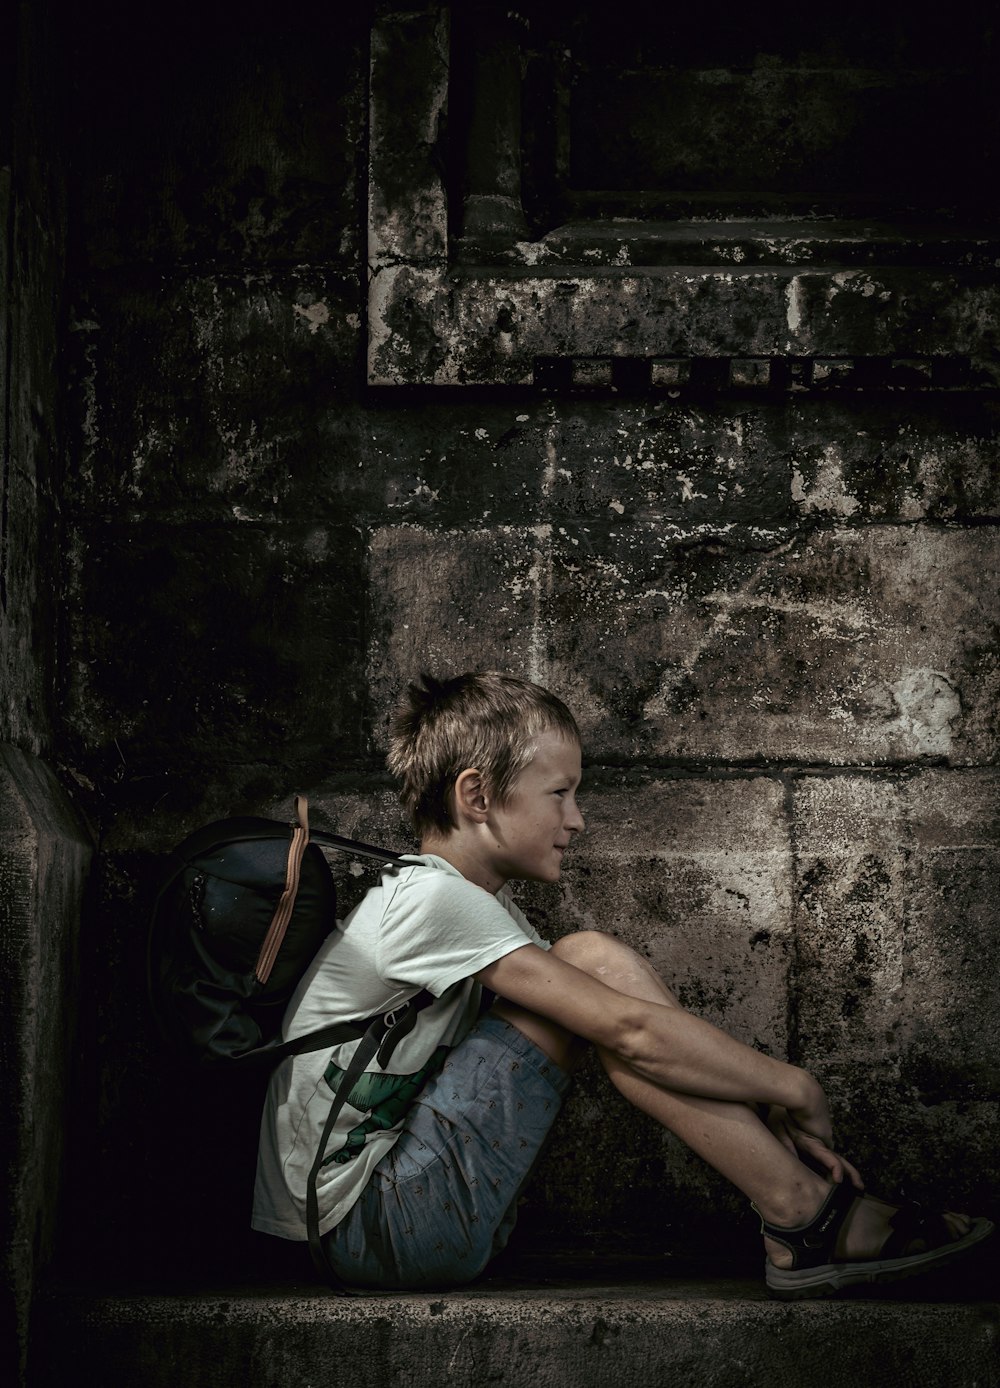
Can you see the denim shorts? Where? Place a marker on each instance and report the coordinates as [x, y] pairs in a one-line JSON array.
[[443, 1201]]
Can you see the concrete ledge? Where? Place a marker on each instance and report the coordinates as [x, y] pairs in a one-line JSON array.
[[44, 859], [649, 1332]]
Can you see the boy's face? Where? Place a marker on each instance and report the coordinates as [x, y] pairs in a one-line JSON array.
[[535, 827]]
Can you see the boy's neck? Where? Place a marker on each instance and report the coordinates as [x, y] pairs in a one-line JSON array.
[[454, 849]]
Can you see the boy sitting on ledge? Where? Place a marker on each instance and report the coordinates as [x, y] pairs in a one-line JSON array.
[[420, 1182]]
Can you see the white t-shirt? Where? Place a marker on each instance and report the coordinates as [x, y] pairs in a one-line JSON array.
[[423, 926]]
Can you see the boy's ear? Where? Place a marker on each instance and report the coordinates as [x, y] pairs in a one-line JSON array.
[[471, 801]]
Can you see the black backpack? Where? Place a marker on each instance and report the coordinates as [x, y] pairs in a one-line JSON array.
[[246, 905]]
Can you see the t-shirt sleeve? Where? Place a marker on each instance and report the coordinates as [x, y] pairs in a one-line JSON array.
[[440, 929]]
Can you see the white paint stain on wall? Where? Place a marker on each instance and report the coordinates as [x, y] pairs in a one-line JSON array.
[[827, 492], [552, 469], [688, 492], [794, 305], [928, 707], [316, 314]]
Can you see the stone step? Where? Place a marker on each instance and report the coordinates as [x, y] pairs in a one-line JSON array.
[[612, 1328]]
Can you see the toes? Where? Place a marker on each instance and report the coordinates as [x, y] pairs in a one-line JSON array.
[[958, 1224]]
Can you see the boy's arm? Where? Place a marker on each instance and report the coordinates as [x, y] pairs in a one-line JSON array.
[[668, 1045]]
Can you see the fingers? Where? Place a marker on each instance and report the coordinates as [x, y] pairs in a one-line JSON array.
[[843, 1168], [826, 1158], [823, 1155], [818, 1150], [857, 1180]]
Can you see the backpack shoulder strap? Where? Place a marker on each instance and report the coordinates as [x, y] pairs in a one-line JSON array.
[[355, 846], [366, 1048], [380, 1038], [337, 841]]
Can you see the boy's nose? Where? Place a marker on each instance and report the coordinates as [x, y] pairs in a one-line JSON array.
[[575, 823]]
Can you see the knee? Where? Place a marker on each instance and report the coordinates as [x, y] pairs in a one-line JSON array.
[[599, 954], [607, 958], [591, 950]]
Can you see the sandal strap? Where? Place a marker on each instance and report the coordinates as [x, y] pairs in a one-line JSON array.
[[912, 1224], [811, 1245]]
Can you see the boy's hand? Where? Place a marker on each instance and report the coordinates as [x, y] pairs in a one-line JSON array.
[[816, 1150]]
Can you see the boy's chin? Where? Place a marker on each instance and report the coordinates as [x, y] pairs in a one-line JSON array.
[[551, 874], [546, 873]]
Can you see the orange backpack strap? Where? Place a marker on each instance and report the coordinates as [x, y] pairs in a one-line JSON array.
[[286, 903]]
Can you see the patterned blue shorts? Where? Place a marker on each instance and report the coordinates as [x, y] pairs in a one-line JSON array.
[[443, 1201]]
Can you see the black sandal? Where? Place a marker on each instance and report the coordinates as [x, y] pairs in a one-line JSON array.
[[918, 1241]]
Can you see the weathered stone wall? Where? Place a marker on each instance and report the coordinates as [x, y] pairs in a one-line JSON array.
[[32, 253], [43, 851], [773, 609]]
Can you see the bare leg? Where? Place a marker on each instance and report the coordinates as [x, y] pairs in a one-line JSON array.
[[729, 1136]]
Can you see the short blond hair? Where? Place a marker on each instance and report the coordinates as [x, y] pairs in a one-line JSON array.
[[481, 719]]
